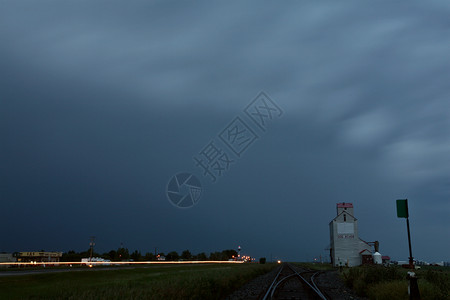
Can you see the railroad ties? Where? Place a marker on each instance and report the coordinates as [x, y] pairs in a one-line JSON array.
[[293, 283]]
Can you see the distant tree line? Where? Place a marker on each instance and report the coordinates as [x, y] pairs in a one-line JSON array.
[[122, 254]]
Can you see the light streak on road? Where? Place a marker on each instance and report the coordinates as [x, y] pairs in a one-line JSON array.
[[115, 263]]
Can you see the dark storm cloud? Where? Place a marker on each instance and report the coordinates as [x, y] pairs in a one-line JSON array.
[[102, 103]]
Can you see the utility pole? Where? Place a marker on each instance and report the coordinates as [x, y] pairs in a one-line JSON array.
[[92, 244]]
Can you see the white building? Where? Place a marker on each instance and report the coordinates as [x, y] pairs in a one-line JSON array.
[[346, 248]]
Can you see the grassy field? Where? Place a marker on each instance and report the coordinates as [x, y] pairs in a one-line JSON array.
[[155, 282], [382, 283]]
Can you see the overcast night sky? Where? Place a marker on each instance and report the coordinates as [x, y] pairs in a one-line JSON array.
[[102, 102]]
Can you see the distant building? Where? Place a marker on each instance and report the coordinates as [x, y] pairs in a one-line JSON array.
[[386, 260], [39, 256], [6, 258], [346, 248]]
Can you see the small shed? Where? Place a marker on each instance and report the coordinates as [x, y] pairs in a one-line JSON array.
[[366, 257]]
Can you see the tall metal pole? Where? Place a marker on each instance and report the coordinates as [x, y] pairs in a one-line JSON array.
[[413, 289], [411, 259], [91, 244]]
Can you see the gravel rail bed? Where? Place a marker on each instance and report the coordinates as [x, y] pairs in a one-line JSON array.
[[329, 282], [255, 288]]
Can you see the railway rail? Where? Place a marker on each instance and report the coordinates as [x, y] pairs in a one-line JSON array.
[[289, 283]]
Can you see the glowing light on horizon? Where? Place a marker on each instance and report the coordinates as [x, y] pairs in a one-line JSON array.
[[91, 263]]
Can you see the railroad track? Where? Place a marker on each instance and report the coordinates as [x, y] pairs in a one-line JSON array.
[[289, 283]]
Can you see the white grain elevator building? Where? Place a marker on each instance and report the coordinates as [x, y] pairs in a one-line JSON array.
[[346, 248]]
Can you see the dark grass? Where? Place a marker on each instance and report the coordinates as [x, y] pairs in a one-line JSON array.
[[155, 282], [378, 282]]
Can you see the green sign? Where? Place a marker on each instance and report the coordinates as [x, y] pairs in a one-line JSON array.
[[402, 208]]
